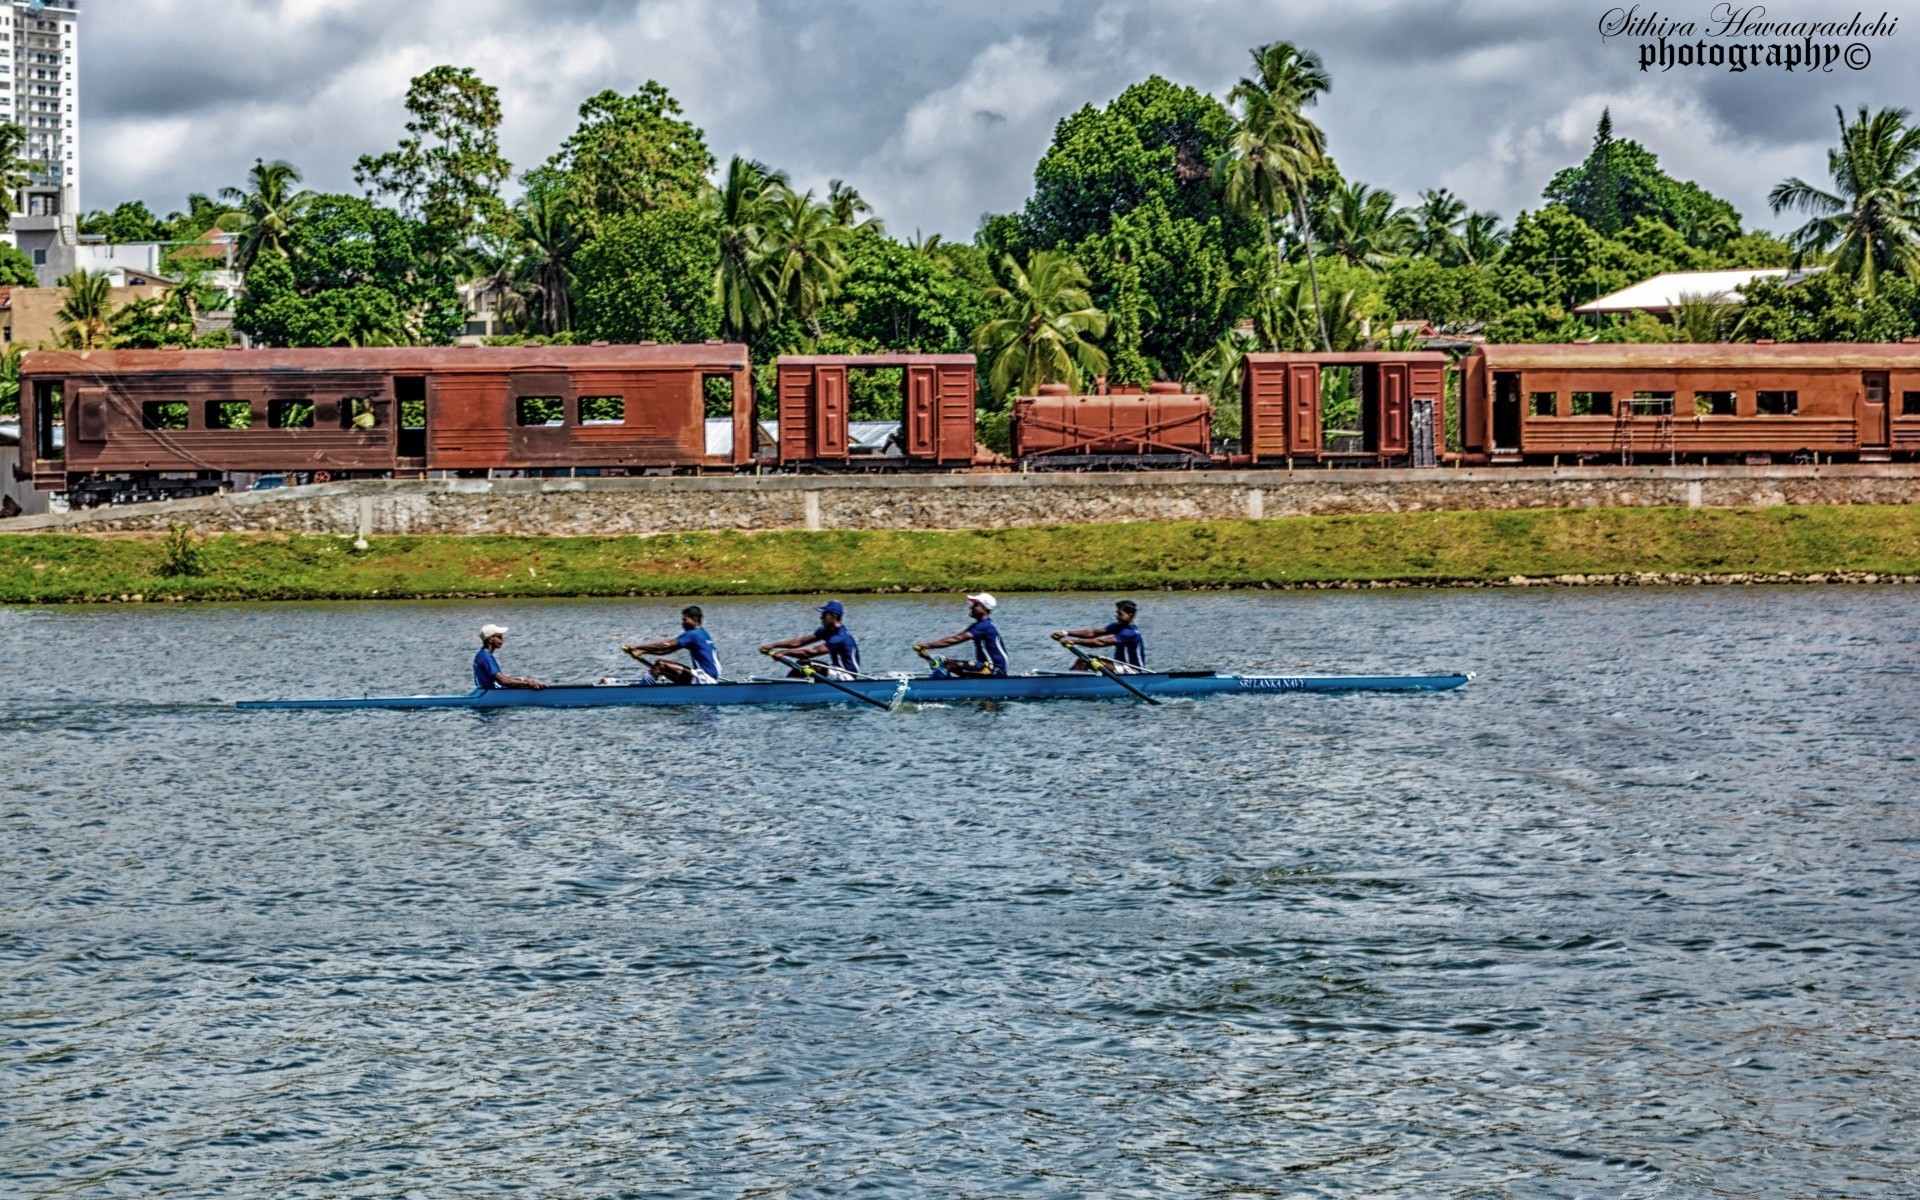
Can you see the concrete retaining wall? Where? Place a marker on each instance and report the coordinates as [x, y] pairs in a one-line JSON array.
[[671, 505]]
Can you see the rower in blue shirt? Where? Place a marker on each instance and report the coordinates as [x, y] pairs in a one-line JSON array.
[[832, 641], [1129, 646], [486, 668], [695, 640], [989, 652]]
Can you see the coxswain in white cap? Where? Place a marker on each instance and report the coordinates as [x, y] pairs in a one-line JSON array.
[[486, 668], [989, 652]]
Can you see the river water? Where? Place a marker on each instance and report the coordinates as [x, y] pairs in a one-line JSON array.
[[1633, 914]]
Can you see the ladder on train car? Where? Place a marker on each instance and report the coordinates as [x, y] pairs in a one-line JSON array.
[[1623, 432], [1664, 438]]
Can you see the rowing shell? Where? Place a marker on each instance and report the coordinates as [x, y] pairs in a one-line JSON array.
[[911, 689]]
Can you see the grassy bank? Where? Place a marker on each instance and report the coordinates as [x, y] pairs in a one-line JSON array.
[[1451, 547]]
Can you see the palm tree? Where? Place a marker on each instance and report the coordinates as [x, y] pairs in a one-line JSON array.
[[1482, 239], [1362, 227], [263, 216], [847, 206], [806, 255], [1714, 317], [15, 172], [1047, 317], [1440, 215], [87, 310], [1275, 149], [548, 239], [741, 209], [1870, 222]]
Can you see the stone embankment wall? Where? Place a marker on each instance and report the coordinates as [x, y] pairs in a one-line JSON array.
[[930, 502]]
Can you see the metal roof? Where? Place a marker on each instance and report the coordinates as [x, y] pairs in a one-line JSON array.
[[1662, 293], [1351, 357], [1700, 355], [899, 359], [721, 356]]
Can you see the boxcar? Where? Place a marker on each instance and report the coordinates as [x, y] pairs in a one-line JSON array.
[[157, 422], [1753, 402], [936, 407], [1391, 407], [1165, 425]]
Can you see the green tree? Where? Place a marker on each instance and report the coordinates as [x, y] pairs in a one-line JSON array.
[[1360, 226], [1621, 181], [202, 213], [1829, 307], [448, 171], [648, 276], [264, 211], [1706, 317], [806, 254], [1481, 239], [1421, 288], [1439, 219], [352, 273], [160, 321], [1275, 149], [631, 153], [1045, 327], [549, 236], [742, 212], [85, 310], [1555, 259], [15, 171], [850, 208], [131, 221], [16, 269], [1870, 222], [894, 296]]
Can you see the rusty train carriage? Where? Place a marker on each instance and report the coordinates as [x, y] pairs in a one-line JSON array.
[[1402, 402], [936, 406], [1165, 424], [1672, 402], [376, 411]]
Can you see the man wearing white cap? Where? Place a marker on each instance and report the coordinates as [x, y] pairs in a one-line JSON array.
[[486, 668], [989, 652]]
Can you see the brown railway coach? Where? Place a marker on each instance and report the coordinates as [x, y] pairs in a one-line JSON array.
[[1673, 402], [1165, 423], [936, 406], [1399, 404], [122, 413]]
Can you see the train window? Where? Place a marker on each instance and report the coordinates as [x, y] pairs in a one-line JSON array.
[[718, 392], [1713, 404], [50, 419], [290, 414], [1776, 404], [1652, 404], [357, 412], [163, 414], [603, 410], [229, 414], [540, 410], [1543, 404], [1910, 404], [1593, 404]]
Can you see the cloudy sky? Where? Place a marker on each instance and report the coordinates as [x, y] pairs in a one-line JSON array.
[[938, 111]]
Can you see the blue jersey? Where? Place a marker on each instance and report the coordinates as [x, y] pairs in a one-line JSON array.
[[1129, 645], [842, 650], [699, 647], [486, 670], [987, 646]]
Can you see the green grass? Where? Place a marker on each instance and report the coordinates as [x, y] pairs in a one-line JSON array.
[[1443, 547]]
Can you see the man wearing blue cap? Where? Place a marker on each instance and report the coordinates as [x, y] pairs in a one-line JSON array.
[[835, 643]]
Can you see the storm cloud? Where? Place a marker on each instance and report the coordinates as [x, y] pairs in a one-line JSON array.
[[938, 111]]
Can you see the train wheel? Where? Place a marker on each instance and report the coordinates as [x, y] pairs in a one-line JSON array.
[[323, 476]]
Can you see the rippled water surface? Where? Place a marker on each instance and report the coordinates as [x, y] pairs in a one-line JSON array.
[[1634, 914]]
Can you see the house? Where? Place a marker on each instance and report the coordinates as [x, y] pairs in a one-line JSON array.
[[1660, 295]]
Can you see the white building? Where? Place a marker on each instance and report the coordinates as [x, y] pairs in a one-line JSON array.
[[40, 92]]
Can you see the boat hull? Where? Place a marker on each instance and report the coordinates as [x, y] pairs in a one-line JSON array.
[[918, 689]]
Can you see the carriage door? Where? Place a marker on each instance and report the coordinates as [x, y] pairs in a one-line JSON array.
[[1390, 430], [830, 412], [410, 401], [1420, 434], [923, 413], [537, 416], [1303, 409], [1872, 417], [1506, 410]]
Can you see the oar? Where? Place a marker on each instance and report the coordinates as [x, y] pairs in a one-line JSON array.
[[1100, 668], [809, 671]]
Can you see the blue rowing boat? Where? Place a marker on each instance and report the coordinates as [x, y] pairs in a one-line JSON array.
[[1078, 685]]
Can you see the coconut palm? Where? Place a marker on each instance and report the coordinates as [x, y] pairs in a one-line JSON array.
[[1440, 215], [741, 209], [87, 310], [264, 215], [1714, 317], [1361, 226], [1275, 149], [806, 255], [1482, 239], [1870, 221], [848, 207], [1046, 321], [15, 172], [548, 237]]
